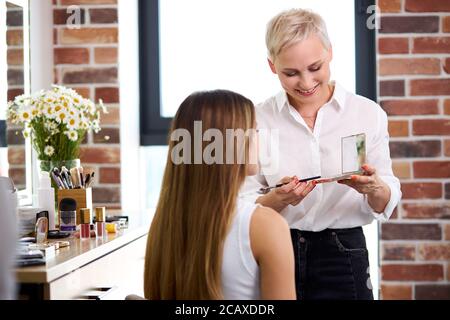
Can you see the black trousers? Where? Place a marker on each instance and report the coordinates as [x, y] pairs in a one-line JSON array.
[[331, 264]]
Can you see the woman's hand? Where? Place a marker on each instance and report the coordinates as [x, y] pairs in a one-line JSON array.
[[291, 193], [377, 191]]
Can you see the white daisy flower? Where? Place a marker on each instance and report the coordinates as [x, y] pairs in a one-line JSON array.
[[72, 123], [72, 135], [61, 115], [49, 151], [25, 115]]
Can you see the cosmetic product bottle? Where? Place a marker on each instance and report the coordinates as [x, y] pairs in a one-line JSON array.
[[68, 215], [46, 198], [85, 225], [100, 224]]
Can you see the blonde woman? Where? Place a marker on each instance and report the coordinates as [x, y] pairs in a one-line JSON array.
[[204, 243], [312, 113]]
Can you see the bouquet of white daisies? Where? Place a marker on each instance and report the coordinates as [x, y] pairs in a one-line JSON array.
[[57, 121]]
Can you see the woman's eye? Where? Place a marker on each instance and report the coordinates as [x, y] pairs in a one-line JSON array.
[[291, 74], [315, 69]]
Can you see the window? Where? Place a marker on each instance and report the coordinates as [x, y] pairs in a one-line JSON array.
[[193, 45]]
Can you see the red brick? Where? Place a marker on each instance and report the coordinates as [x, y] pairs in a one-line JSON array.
[[434, 252], [415, 149], [90, 75], [106, 194], [447, 190], [410, 231], [408, 24], [89, 36], [446, 65], [396, 292], [112, 117], [15, 77], [412, 272], [71, 56], [447, 233], [109, 175], [410, 107], [402, 170], [398, 66], [398, 128], [107, 135], [431, 45], [431, 127], [431, 169], [389, 5], [84, 92], [446, 24], [14, 37], [399, 252], [448, 272], [108, 95], [16, 155], [100, 155], [393, 45], [447, 148], [430, 87], [15, 57], [18, 176], [105, 55], [103, 15], [15, 137], [421, 190], [427, 6], [12, 93], [426, 211], [88, 2], [432, 292], [392, 88], [447, 107]]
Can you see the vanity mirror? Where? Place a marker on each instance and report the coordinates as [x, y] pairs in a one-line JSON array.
[[15, 151]]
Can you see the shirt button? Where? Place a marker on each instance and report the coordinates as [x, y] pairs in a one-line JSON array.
[[302, 240]]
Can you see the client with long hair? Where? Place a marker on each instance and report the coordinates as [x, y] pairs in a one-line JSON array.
[[204, 242]]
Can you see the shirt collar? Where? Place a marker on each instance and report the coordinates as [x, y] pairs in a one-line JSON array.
[[339, 95]]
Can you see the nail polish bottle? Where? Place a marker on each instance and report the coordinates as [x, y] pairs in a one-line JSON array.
[[100, 225], [85, 230]]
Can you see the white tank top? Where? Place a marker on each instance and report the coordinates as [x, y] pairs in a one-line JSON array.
[[240, 271]]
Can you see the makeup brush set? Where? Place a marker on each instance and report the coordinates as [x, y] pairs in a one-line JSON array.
[[75, 178]]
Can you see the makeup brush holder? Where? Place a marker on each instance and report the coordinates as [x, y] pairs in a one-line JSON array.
[[83, 198]]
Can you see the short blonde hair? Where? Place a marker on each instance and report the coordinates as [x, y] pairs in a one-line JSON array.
[[292, 26]]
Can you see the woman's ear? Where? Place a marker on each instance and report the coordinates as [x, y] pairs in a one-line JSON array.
[[272, 66]]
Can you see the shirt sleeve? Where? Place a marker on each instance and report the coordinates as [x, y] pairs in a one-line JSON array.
[[379, 157]]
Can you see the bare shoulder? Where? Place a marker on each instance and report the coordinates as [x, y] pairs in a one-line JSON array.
[[265, 217], [268, 231]]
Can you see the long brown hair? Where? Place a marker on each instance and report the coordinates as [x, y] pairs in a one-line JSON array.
[[196, 205]]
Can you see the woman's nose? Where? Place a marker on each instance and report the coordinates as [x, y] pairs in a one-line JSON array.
[[306, 82]]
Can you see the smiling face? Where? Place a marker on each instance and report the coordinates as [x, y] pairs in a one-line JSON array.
[[304, 72]]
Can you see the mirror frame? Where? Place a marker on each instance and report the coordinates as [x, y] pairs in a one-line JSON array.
[[25, 195]]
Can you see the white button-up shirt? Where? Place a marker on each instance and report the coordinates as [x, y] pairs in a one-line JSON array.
[[307, 153]]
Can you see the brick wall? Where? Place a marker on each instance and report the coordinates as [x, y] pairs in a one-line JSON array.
[[414, 90], [86, 60]]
